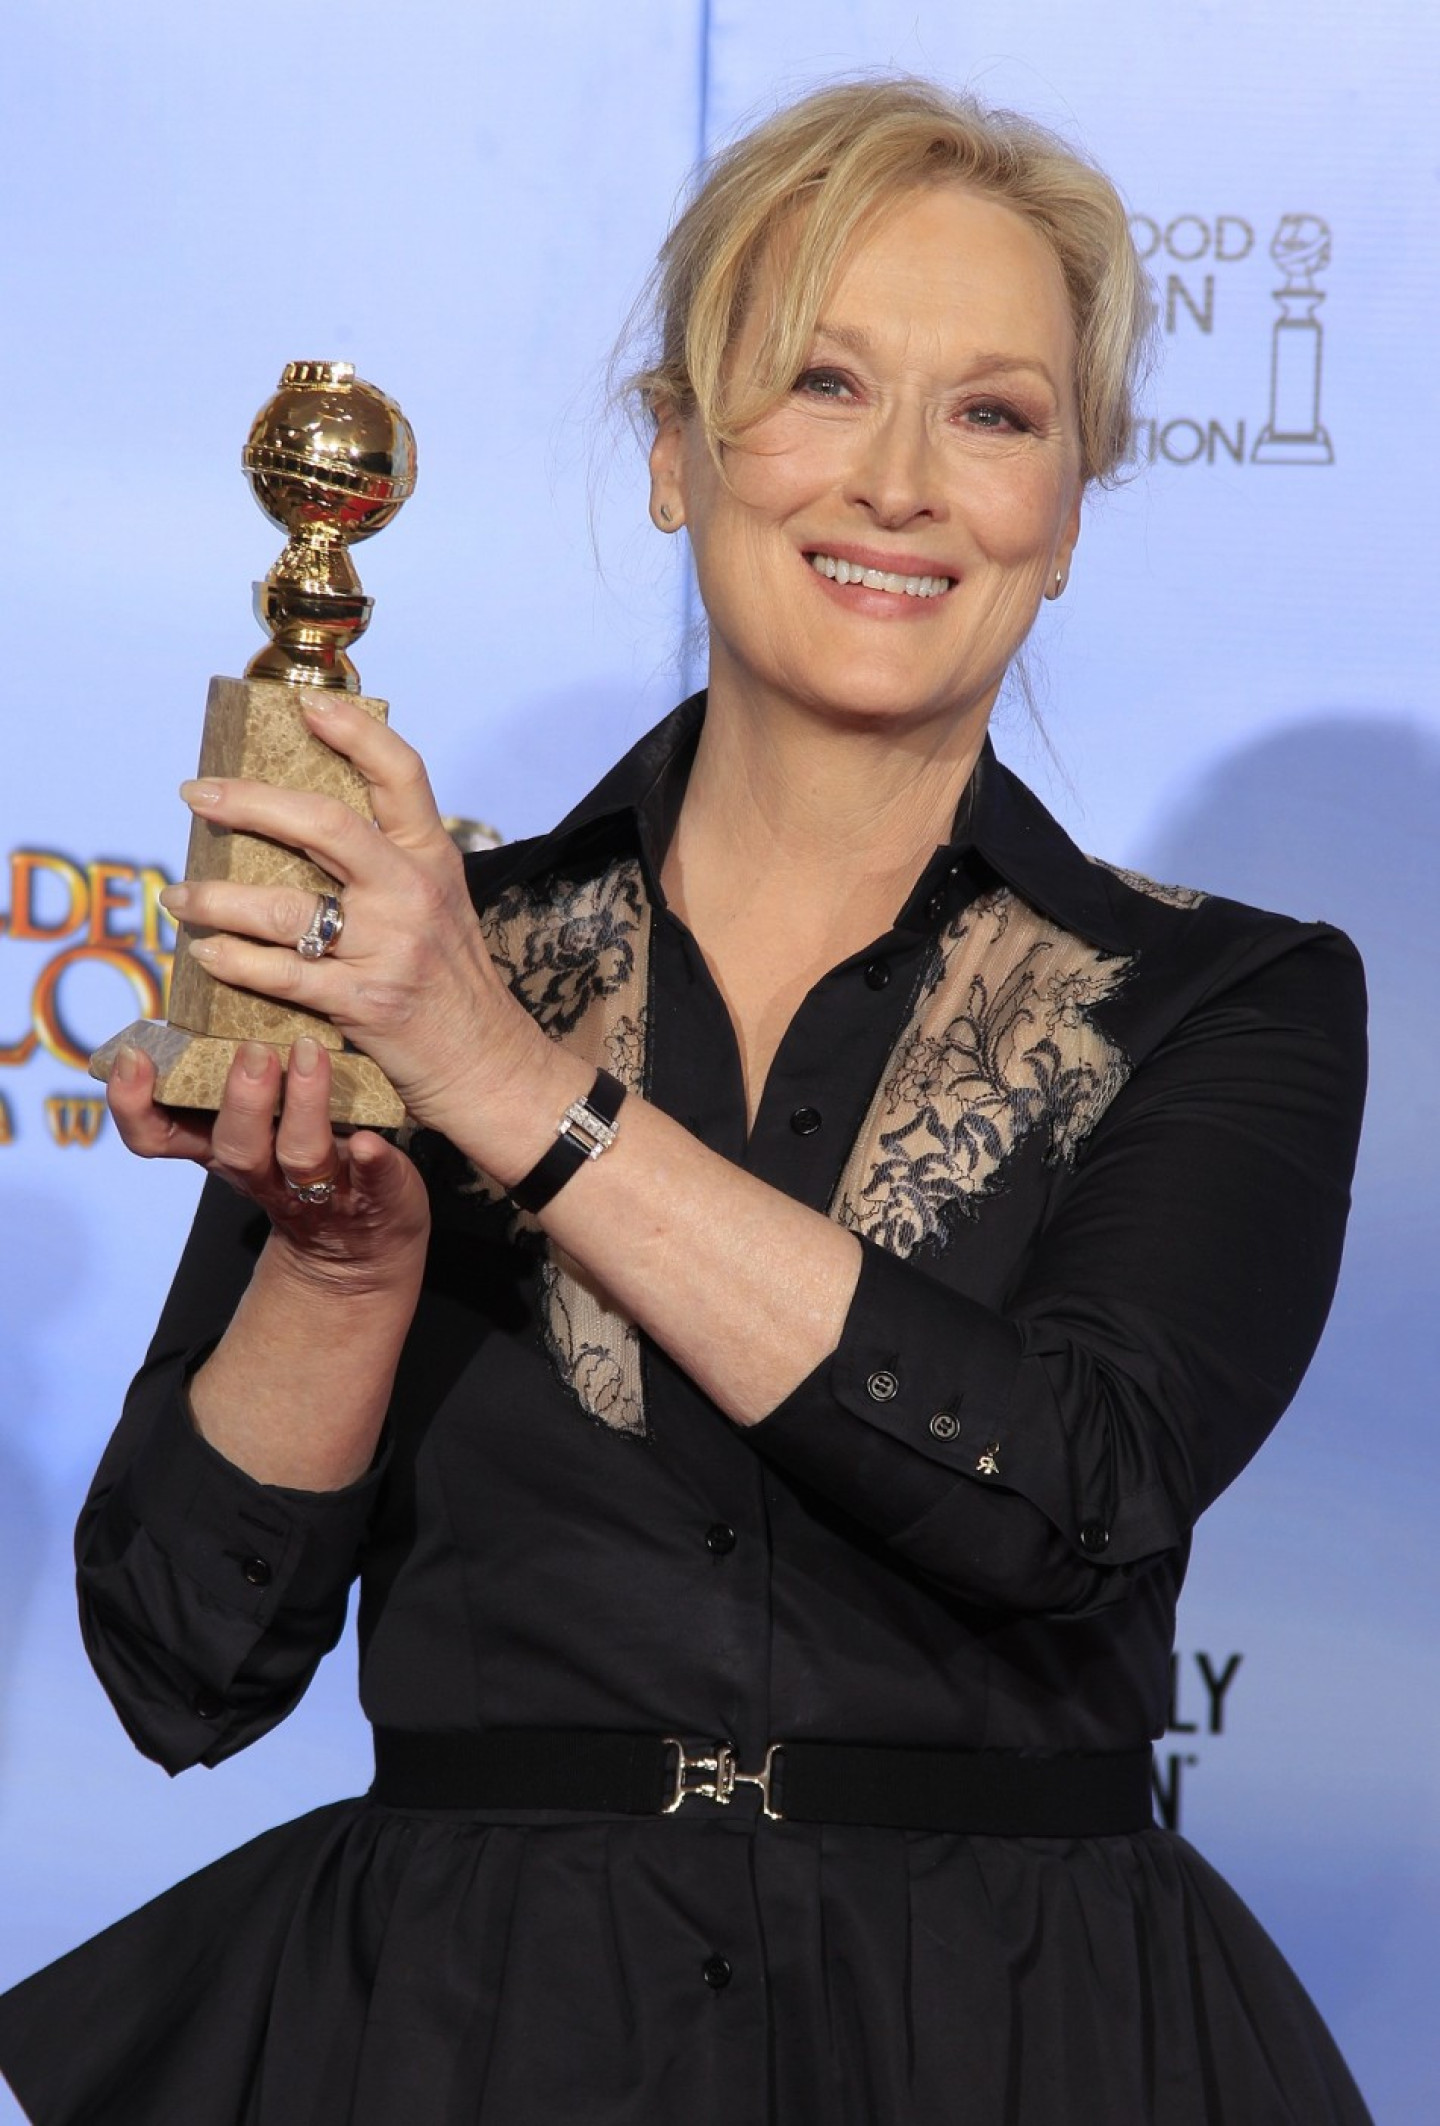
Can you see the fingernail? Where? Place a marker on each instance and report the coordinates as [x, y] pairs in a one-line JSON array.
[[203, 949], [305, 1055], [127, 1062], [200, 793], [254, 1058], [174, 899], [317, 704]]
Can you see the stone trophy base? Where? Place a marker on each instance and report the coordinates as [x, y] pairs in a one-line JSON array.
[[254, 729]]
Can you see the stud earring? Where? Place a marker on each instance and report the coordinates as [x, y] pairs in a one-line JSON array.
[[665, 516]]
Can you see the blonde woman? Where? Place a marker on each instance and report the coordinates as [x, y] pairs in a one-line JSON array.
[[848, 1237]]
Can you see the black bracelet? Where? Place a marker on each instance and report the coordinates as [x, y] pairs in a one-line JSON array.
[[584, 1131]]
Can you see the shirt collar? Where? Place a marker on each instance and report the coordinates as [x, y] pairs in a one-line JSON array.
[[1000, 827]]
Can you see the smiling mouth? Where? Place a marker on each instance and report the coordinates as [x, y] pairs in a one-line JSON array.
[[879, 579]]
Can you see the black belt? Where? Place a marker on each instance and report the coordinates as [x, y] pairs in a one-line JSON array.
[[986, 1793]]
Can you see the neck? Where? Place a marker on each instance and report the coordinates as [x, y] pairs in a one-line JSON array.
[[790, 791]]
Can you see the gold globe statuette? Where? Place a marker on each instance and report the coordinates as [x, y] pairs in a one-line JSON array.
[[331, 460]]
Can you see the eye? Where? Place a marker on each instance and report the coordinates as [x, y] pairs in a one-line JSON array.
[[995, 414], [823, 384]]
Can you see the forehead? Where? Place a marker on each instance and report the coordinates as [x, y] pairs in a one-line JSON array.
[[945, 264]]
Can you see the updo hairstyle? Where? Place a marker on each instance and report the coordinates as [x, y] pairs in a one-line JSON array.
[[819, 171]]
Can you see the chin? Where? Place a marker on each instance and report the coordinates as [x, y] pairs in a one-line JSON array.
[[881, 700]]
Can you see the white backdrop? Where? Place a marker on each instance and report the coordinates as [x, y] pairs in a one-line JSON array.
[[1239, 691]]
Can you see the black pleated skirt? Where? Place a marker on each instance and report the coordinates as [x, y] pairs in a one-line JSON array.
[[365, 1967]]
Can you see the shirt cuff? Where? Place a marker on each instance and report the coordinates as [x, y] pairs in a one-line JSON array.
[[253, 1549], [976, 1444]]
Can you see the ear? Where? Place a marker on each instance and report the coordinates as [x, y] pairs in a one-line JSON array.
[[1065, 547], [667, 470]]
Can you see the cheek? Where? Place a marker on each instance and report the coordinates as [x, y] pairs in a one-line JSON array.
[[788, 461], [1019, 513]]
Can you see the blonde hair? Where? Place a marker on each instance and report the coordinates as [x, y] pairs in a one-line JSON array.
[[823, 167]]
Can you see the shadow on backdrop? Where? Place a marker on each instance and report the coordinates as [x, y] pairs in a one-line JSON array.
[[1339, 818]]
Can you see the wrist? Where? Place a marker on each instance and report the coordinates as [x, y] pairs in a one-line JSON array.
[[393, 1270], [509, 1120]]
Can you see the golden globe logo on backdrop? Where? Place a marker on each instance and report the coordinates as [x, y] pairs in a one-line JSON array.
[[1208, 278], [84, 947]]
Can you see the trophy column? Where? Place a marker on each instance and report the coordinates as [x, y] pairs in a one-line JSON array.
[[330, 460], [1294, 433]]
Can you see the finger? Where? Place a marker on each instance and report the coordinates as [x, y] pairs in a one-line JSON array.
[[276, 971], [304, 1142], [144, 1127], [326, 829], [274, 915], [400, 789], [243, 1136]]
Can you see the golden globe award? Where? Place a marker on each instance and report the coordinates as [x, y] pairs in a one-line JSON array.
[[330, 460]]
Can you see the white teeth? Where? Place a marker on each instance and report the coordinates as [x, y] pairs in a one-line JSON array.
[[876, 579]]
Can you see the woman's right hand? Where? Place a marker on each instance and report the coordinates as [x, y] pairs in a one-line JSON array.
[[376, 1218]]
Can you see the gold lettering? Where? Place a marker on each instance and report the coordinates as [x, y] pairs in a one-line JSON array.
[[111, 893], [152, 884], [49, 1024], [74, 1120], [27, 866], [19, 1051]]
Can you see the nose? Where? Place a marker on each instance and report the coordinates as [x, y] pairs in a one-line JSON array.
[[895, 476]]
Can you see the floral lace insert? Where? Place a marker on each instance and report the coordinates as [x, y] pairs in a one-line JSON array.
[[577, 956], [1001, 1044]]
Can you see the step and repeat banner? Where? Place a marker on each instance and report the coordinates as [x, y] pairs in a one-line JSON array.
[[1238, 692]]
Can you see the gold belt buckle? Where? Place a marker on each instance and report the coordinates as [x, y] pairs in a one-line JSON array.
[[725, 1775]]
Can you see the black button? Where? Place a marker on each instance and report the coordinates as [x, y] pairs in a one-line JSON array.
[[207, 1704], [256, 1571], [877, 974], [934, 907], [716, 1971], [882, 1387], [1094, 1537], [720, 1539], [805, 1121], [943, 1425]]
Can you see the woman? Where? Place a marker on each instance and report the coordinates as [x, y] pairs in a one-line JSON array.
[[811, 1428]]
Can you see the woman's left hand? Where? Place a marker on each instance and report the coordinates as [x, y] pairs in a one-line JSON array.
[[409, 980]]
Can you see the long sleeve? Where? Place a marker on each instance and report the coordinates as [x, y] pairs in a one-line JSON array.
[[206, 1599], [1033, 1454]]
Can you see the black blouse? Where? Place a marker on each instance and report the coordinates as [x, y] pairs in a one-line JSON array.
[[970, 1524], [1096, 1138]]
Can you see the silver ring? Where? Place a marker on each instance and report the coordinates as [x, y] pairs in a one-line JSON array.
[[326, 925], [311, 1191]]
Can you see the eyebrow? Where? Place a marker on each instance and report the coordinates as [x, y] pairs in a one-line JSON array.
[[859, 341]]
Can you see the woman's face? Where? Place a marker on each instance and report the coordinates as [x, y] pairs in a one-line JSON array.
[[932, 436]]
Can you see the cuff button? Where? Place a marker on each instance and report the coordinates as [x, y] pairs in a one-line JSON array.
[[1094, 1537], [207, 1704], [256, 1571], [882, 1387]]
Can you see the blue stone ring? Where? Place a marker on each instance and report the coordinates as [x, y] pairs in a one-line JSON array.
[[326, 925]]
